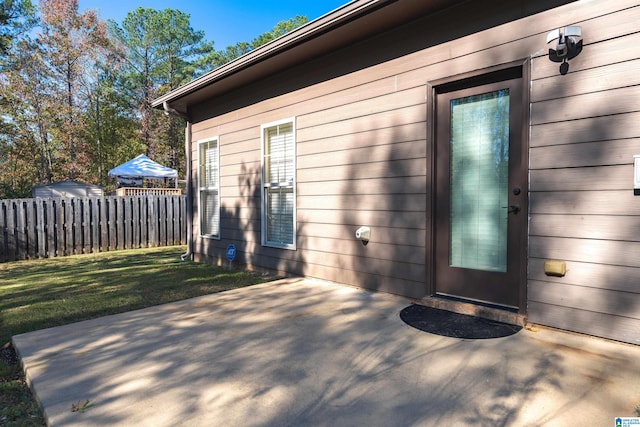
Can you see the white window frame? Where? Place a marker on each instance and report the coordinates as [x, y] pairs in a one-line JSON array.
[[202, 188], [267, 186]]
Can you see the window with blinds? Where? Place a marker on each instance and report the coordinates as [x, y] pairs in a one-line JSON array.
[[479, 168], [209, 187], [278, 180]]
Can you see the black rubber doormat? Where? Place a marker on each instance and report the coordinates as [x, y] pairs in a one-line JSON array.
[[455, 325]]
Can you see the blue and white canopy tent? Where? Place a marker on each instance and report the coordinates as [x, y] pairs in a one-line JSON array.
[[144, 168]]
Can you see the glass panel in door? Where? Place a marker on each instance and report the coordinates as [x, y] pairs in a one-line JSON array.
[[479, 171]]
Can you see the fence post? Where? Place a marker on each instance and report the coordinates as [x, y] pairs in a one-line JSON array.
[[111, 210], [30, 228], [60, 228], [184, 220], [94, 224], [162, 219], [77, 225], [175, 231], [169, 208], [86, 232], [153, 221], [103, 222], [21, 235], [49, 225], [12, 237], [41, 236], [67, 224], [126, 203], [4, 244], [144, 222], [120, 224], [135, 219]]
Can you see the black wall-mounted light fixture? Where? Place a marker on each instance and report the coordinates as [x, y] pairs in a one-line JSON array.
[[568, 46]]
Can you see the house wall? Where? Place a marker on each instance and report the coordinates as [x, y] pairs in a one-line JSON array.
[[364, 140], [584, 133]]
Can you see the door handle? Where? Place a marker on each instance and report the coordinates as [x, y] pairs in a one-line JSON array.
[[512, 208]]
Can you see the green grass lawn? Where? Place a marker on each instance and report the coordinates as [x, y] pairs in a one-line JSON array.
[[38, 294]]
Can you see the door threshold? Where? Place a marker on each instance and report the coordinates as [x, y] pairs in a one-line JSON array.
[[474, 308]]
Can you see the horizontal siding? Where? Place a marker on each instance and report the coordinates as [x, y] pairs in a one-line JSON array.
[[591, 275], [605, 301], [587, 322], [612, 48], [312, 142], [591, 129], [413, 238], [247, 228], [376, 186], [622, 253], [327, 251], [412, 220], [582, 208], [350, 108], [619, 177], [362, 159], [327, 153], [246, 158], [400, 268], [618, 202], [381, 169], [599, 227], [350, 125], [589, 81], [384, 202], [400, 219], [458, 56], [598, 153], [595, 104], [381, 153]]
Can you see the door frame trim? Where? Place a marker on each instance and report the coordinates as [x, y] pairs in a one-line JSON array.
[[434, 87]]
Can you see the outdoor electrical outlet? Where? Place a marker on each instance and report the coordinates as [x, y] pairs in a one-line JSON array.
[[555, 268]]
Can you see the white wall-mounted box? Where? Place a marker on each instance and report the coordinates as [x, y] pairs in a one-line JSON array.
[[636, 174]]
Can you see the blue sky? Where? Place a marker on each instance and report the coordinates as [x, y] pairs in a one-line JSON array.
[[226, 22]]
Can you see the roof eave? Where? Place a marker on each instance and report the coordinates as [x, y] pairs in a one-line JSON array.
[[321, 25]]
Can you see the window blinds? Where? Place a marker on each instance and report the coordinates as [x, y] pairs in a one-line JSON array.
[[209, 189], [279, 181], [479, 168], [279, 155]]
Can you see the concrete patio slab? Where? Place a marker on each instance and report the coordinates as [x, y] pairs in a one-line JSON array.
[[301, 352]]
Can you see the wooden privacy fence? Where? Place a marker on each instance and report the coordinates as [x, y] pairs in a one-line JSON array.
[[50, 227]]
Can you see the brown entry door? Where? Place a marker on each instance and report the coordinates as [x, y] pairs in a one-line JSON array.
[[481, 193]]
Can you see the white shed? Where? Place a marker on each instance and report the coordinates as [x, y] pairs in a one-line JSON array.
[[67, 188]]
